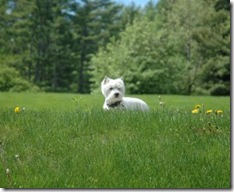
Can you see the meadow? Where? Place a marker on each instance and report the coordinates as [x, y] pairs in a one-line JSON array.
[[68, 141]]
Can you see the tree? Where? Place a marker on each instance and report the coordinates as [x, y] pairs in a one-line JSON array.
[[15, 40], [98, 21], [176, 46], [50, 42], [51, 45], [136, 57], [129, 13], [214, 41], [168, 53], [61, 53]]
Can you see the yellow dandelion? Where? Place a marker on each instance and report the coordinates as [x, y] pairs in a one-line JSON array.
[[17, 110], [209, 111], [195, 111], [218, 112], [197, 106]]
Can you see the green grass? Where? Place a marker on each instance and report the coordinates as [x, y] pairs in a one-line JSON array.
[[68, 141]]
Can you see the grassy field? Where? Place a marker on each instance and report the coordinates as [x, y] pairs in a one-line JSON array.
[[68, 141]]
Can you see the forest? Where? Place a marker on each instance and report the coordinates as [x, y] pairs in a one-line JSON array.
[[172, 47]]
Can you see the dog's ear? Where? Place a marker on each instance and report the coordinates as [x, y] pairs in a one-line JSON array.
[[106, 80]]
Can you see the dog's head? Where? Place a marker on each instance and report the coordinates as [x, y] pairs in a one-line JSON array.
[[113, 89]]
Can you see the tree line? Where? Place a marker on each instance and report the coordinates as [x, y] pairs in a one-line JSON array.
[[172, 47]]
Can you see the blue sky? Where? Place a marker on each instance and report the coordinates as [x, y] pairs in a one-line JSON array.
[[141, 3]]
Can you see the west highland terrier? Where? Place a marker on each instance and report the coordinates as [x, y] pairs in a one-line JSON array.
[[114, 90]]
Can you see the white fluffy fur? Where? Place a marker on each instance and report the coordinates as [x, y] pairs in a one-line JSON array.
[[113, 90]]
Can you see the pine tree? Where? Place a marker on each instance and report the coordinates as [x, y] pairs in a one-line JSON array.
[[97, 21], [214, 47], [17, 32], [62, 64], [15, 41], [51, 45]]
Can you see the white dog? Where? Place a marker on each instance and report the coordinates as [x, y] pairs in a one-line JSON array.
[[113, 91]]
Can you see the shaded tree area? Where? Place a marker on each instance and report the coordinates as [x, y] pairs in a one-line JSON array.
[[173, 47], [49, 43]]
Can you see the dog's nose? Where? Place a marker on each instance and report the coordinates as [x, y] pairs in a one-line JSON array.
[[116, 94]]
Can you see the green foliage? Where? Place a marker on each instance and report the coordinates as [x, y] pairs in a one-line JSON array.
[[171, 52], [21, 85], [53, 40], [220, 89], [98, 21], [10, 80], [50, 144], [135, 57], [179, 47], [7, 77], [214, 41]]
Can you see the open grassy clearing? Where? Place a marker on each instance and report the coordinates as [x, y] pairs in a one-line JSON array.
[[64, 101], [67, 141]]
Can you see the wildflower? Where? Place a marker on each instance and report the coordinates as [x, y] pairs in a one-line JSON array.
[[17, 110], [8, 171], [161, 103], [195, 111], [197, 106], [218, 112], [209, 111], [17, 156]]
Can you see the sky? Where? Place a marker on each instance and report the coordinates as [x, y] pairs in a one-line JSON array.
[[141, 3]]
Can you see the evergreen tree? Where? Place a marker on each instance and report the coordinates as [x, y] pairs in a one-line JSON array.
[[16, 34], [62, 61], [52, 37], [15, 40], [97, 21], [129, 13], [214, 41]]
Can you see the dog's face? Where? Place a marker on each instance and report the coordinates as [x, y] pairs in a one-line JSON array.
[[113, 89]]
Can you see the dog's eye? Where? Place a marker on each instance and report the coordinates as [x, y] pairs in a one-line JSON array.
[[111, 89]]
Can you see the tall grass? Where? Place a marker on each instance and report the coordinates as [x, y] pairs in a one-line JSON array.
[[78, 145]]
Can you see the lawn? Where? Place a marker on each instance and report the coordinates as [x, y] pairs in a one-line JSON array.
[[68, 141]]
